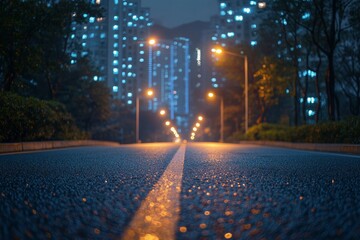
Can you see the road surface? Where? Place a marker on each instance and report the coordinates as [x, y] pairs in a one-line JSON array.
[[172, 191]]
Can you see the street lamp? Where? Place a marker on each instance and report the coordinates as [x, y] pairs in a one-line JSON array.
[[212, 95], [149, 93], [220, 51], [162, 112]]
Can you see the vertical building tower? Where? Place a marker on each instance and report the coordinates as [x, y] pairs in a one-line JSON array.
[[169, 77], [116, 45], [238, 22]]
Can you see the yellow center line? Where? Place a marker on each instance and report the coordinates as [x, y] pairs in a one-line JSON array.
[[158, 215]]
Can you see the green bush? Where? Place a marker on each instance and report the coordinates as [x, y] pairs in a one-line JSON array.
[[345, 131], [31, 119]]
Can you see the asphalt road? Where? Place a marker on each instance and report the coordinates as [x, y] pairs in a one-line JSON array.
[[189, 191]]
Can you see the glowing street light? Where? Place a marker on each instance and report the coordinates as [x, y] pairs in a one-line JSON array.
[[200, 118], [217, 50], [152, 41], [167, 123], [162, 112], [197, 124]]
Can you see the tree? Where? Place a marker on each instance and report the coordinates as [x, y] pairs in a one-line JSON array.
[[34, 41], [328, 21], [87, 100], [271, 84]]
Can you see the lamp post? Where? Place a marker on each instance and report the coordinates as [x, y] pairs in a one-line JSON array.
[[246, 77], [212, 95], [149, 93]]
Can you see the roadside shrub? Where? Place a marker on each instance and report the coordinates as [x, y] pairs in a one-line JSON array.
[[266, 131], [345, 131], [31, 119]]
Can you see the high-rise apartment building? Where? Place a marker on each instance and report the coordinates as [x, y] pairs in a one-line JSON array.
[[169, 77], [116, 44], [236, 24]]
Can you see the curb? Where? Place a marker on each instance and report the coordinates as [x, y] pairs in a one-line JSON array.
[[32, 146], [323, 147]]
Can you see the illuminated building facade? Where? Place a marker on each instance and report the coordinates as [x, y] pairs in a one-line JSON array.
[[116, 45], [169, 77]]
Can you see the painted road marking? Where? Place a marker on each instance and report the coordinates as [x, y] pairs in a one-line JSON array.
[[159, 213]]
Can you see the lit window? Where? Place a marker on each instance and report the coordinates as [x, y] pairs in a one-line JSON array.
[[246, 10], [116, 2], [135, 38], [262, 4], [116, 27], [252, 2], [141, 44], [115, 70], [222, 13], [129, 94], [129, 74], [83, 44], [116, 53], [214, 38], [253, 43], [306, 16], [231, 34], [96, 78], [115, 88], [129, 102], [223, 36], [253, 26], [123, 66], [116, 18], [239, 18], [135, 18], [141, 60], [130, 59], [222, 5], [130, 24], [116, 45], [116, 36], [142, 52], [84, 36], [91, 20], [230, 12], [85, 15], [102, 35], [115, 62], [129, 66]]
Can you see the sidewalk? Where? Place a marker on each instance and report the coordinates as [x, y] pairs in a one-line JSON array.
[[324, 147], [31, 146]]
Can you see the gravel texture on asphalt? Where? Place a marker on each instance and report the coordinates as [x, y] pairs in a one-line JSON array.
[[237, 192], [86, 193]]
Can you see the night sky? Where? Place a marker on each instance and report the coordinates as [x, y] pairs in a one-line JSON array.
[[171, 13]]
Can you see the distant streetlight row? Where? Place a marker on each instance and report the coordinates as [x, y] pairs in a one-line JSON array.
[[196, 127]]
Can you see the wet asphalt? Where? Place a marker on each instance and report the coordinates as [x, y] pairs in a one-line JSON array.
[[229, 191]]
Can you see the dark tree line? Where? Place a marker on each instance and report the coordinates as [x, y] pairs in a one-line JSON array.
[[305, 68]]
